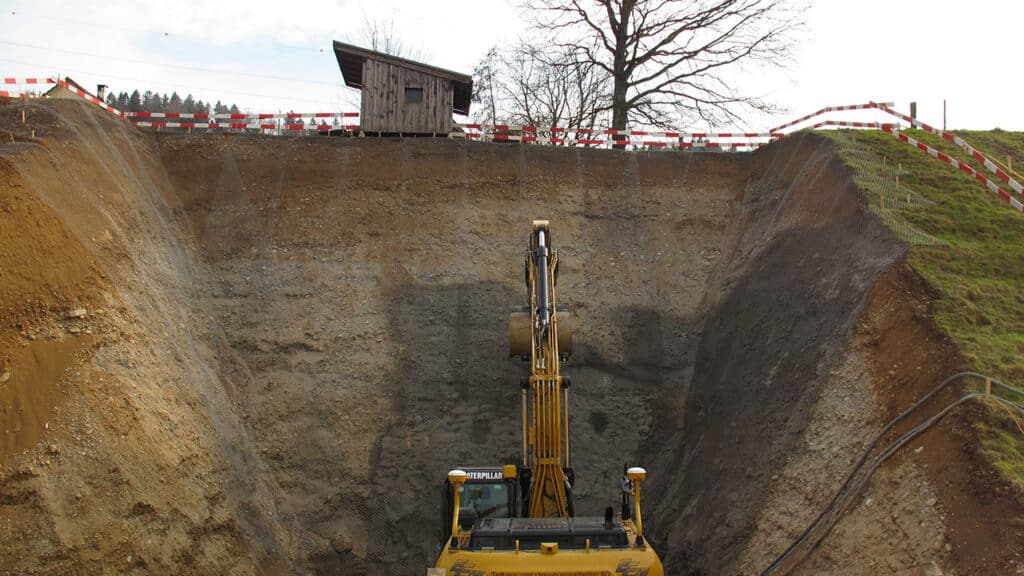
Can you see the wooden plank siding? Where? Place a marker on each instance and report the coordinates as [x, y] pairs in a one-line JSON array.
[[384, 108]]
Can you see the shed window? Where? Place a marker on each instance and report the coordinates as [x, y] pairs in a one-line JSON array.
[[413, 95]]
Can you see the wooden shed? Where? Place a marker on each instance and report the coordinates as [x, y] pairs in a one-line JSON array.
[[401, 96]]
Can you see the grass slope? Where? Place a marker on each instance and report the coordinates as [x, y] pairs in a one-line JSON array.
[[979, 270]]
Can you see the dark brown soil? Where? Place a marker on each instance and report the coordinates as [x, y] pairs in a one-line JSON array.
[[793, 288], [910, 356]]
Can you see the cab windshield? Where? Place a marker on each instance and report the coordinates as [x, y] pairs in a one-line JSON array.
[[490, 500]]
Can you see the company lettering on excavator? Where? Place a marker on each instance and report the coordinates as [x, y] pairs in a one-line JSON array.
[[519, 519]]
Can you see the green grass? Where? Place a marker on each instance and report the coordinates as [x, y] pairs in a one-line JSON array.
[[1003, 447], [998, 145], [978, 268]]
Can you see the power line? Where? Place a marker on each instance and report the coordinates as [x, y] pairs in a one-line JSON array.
[[85, 23], [178, 86], [181, 66]]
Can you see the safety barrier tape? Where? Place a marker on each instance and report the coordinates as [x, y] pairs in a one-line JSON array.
[[29, 81], [846, 124], [611, 132], [22, 81], [719, 145], [886, 107], [528, 138], [964, 167], [988, 164], [90, 98], [827, 109], [894, 130], [597, 142], [240, 116], [243, 125]]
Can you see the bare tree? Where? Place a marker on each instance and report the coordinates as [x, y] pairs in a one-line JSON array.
[[380, 35], [526, 85], [551, 89], [668, 60], [485, 74]]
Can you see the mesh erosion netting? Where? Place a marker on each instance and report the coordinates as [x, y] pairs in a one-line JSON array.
[[12, 148], [886, 195]]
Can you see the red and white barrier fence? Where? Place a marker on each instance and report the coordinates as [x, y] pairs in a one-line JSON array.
[[610, 132], [960, 142], [839, 124], [62, 83], [212, 124], [29, 81], [245, 126], [827, 109], [559, 136], [22, 81], [550, 135], [555, 140], [964, 167], [988, 164], [605, 136], [90, 98], [241, 115]]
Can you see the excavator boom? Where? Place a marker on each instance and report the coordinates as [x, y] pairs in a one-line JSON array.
[[536, 531], [549, 494]]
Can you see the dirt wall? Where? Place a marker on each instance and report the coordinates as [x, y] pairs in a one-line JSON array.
[[776, 324], [294, 339]]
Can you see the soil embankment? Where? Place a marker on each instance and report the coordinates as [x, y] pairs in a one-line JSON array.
[[289, 342]]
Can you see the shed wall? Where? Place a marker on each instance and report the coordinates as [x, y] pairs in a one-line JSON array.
[[384, 108]]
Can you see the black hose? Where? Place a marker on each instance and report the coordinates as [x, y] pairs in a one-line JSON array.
[[859, 474]]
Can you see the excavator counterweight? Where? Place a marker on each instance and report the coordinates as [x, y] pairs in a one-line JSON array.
[[520, 518]]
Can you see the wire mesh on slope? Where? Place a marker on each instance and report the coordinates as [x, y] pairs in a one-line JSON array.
[[12, 148], [886, 195]]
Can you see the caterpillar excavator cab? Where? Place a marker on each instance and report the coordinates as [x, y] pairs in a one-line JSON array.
[[520, 518], [487, 492]]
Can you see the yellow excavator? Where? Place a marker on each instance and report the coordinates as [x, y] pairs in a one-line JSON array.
[[518, 519]]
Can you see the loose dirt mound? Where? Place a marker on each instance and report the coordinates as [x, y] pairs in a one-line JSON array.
[[298, 338], [45, 271]]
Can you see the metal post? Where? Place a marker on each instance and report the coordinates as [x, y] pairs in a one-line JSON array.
[[525, 452], [943, 114], [566, 409], [457, 478], [637, 475]]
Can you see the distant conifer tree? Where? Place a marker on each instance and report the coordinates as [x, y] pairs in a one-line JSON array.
[[135, 102]]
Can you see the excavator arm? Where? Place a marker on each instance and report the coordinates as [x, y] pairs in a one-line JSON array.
[[545, 394], [541, 533]]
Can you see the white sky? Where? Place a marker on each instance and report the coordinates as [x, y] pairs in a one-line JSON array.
[[272, 56]]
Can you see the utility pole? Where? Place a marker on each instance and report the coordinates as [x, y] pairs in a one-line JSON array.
[[943, 114]]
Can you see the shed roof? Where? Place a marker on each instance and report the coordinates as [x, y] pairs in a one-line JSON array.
[[57, 89], [351, 58]]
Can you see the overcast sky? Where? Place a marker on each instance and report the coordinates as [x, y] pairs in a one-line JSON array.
[[272, 56]]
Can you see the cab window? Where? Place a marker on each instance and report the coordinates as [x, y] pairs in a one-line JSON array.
[[489, 500]]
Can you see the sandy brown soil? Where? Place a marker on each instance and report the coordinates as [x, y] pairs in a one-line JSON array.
[[289, 341]]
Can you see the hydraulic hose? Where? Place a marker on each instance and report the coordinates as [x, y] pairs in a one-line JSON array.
[[812, 536]]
